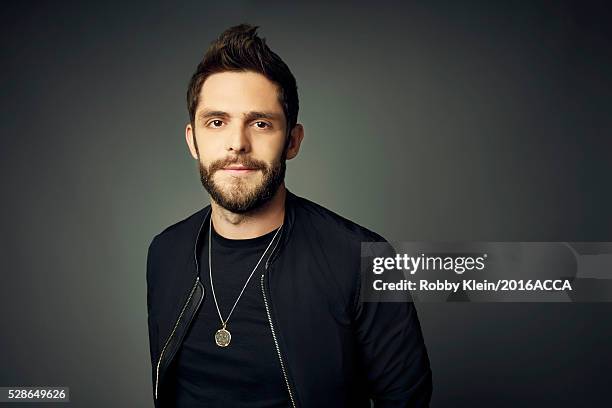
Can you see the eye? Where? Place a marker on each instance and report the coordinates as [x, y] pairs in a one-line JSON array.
[[262, 125], [215, 123]]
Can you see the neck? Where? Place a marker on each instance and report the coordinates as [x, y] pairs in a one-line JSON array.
[[253, 224]]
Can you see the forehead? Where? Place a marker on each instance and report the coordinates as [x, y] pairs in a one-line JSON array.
[[238, 92]]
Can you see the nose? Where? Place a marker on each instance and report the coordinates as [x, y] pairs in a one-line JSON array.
[[238, 140]]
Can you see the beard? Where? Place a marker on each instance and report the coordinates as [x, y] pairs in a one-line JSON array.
[[241, 195]]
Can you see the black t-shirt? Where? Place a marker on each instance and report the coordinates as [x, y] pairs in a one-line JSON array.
[[246, 373]]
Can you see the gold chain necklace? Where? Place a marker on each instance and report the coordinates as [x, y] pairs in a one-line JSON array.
[[223, 336]]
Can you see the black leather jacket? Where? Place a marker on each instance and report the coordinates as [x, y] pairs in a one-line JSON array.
[[334, 350]]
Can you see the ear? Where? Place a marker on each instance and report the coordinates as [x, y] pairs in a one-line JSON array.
[[190, 139], [295, 139]]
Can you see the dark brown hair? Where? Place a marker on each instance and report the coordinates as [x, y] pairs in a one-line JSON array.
[[239, 48]]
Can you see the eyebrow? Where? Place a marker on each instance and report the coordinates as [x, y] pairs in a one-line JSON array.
[[252, 115]]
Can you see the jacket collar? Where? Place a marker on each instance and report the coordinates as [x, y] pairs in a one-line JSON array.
[[288, 222]]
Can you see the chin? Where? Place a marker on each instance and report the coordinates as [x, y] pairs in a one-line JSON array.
[[238, 192]]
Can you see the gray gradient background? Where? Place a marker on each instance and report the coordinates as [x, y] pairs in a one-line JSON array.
[[428, 121]]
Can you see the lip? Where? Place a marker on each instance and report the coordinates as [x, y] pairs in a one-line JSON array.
[[238, 170]]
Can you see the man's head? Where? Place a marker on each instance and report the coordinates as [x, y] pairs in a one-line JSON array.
[[243, 107]]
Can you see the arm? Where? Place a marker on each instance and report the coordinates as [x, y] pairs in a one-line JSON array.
[[393, 351], [152, 324]]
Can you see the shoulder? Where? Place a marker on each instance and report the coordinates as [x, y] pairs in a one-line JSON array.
[[331, 225], [180, 233], [334, 245]]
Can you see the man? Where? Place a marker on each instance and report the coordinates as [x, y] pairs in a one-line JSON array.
[[254, 301]]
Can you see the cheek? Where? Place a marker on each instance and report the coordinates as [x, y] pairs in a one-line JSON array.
[[269, 150], [208, 152]]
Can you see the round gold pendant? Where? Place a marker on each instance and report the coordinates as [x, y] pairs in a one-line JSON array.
[[222, 338]]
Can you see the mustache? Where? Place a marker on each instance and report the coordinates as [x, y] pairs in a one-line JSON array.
[[243, 161]]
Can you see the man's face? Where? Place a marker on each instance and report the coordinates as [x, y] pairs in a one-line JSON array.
[[240, 133]]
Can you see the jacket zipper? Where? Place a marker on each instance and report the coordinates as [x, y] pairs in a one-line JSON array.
[[276, 342], [161, 355], [197, 282], [278, 352]]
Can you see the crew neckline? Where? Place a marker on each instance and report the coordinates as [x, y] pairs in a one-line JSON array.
[[262, 240]]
